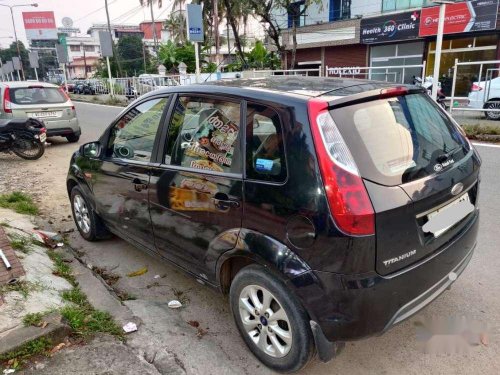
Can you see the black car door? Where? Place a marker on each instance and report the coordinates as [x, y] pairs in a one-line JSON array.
[[196, 192], [121, 184]]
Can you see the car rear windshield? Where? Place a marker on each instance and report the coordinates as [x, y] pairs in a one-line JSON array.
[[37, 95], [400, 139]]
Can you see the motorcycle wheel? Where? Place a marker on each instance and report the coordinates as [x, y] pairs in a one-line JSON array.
[[28, 148]]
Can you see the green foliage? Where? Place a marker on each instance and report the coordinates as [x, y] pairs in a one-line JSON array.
[[20, 243], [8, 53], [19, 202], [22, 287], [86, 321], [37, 346], [61, 268], [475, 130], [33, 319], [171, 55]]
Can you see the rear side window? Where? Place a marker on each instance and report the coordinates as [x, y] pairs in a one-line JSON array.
[[400, 139], [265, 153], [204, 134], [37, 95]]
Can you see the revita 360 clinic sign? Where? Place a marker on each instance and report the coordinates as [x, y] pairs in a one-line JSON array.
[[389, 28]]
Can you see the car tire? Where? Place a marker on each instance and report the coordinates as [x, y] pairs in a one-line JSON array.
[[73, 138], [88, 223], [492, 115], [293, 347]]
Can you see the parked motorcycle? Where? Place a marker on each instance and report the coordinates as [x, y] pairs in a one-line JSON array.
[[427, 84], [24, 137]]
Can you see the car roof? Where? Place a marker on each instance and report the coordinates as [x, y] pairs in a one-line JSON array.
[[304, 86], [20, 84]]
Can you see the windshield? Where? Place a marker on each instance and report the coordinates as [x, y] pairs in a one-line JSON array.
[[400, 139], [37, 95]]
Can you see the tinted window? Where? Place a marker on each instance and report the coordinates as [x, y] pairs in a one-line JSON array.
[[204, 134], [37, 95], [133, 135], [265, 156], [399, 139]]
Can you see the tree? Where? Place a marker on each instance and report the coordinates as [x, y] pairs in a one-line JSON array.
[[7, 54], [237, 12], [174, 24], [171, 56], [266, 10], [132, 54]]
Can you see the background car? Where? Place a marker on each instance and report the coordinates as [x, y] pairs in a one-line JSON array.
[[84, 88], [43, 101], [486, 95]]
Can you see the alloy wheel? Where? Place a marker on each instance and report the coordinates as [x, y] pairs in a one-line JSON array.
[[81, 213], [265, 321], [493, 115]]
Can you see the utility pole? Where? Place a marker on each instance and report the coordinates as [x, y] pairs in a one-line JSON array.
[[155, 40], [117, 58], [439, 44], [84, 59], [216, 33]]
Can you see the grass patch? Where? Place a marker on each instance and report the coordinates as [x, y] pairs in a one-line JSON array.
[[5, 224], [23, 287], [61, 268], [19, 202], [33, 319], [20, 243], [75, 296], [86, 321], [475, 130], [38, 346]]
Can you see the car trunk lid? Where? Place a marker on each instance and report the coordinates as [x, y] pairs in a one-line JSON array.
[[419, 170]]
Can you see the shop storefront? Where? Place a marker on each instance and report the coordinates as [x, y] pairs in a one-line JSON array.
[[470, 36], [396, 54]]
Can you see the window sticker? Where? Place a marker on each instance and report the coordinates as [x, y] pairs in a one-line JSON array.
[[212, 141]]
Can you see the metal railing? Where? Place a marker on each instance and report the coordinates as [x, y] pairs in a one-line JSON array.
[[284, 72], [374, 72]]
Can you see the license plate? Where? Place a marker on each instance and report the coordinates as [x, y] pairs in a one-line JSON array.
[[43, 137], [441, 220], [44, 114]]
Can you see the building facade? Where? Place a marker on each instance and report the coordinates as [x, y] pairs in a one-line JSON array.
[[393, 39]]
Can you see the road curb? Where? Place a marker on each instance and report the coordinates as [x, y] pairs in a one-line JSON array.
[[56, 330]]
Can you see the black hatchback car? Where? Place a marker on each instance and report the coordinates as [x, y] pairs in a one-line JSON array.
[[328, 209]]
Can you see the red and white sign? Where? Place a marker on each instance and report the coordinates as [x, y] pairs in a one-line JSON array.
[[467, 16], [40, 25]]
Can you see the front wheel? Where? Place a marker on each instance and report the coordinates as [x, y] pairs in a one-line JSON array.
[[492, 115], [271, 320], [87, 222], [27, 147]]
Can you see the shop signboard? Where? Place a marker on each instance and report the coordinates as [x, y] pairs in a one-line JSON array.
[[467, 16], [390, 28], [40, 25]]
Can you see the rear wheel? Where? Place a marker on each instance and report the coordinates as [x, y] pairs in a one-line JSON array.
[[73, 138], [27, 147], [87, 222], [492, 115], [272, 322]]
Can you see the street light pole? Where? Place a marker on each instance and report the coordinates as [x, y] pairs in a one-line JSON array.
[[439, 44], [15, 32]]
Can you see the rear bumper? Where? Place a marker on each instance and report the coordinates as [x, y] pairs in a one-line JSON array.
[[350, 307], [62, 127]]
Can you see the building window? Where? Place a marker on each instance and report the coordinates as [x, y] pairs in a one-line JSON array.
[[74, 48], [391, 5], [398, 63], [89, 48], [339, 10], [296, 12]]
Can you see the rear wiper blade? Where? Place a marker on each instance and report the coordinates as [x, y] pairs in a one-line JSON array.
[[443, 157]]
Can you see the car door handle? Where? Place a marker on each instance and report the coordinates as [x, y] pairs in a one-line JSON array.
[[139, 185], [223, 202]]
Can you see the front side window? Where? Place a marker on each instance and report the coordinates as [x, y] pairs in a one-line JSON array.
[[265, 154], [133, 135], [204, 134]]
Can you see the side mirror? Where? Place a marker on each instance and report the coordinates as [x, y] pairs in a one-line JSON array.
[[91, 150]]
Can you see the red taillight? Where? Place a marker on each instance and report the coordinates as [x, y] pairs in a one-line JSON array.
[[475, 87], [349, 203], [7, 105], [43, 130]]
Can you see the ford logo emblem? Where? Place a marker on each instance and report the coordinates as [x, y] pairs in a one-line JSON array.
[[457, 188]]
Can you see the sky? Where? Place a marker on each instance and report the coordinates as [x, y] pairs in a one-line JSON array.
[[83, 13]]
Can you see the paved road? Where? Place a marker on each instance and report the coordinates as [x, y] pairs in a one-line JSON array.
[[165, 333]]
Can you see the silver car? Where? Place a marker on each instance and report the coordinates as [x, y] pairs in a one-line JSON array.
[[43, 101]]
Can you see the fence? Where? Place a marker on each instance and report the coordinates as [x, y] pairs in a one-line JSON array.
[[391, 73], [290, 72], [483, 95]]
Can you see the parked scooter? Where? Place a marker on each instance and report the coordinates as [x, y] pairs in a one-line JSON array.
[[427, 84], [24, 137]]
